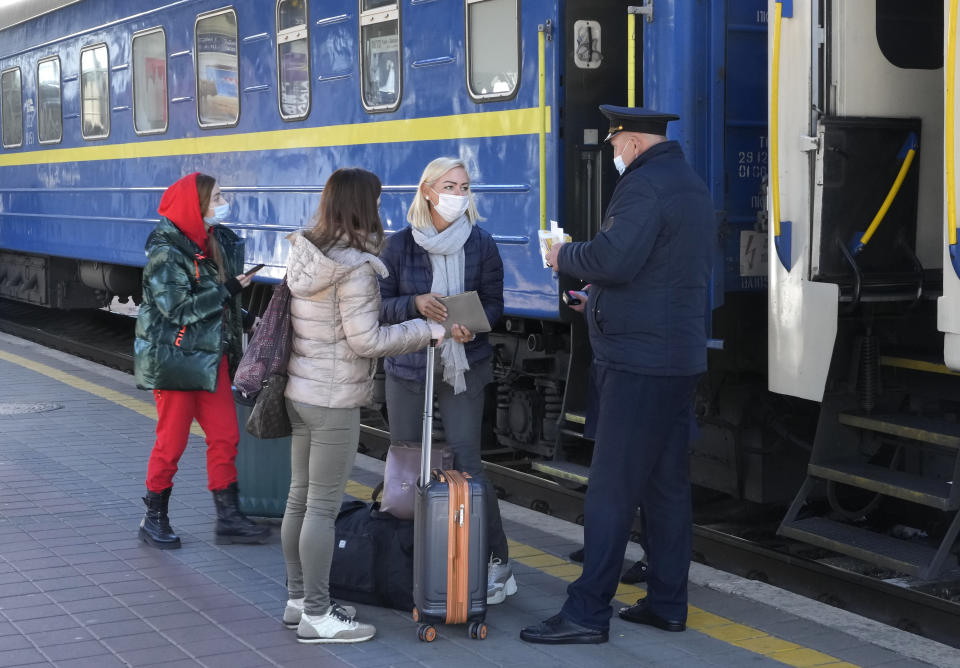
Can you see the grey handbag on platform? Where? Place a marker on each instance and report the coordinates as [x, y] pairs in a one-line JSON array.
[[401, 473]]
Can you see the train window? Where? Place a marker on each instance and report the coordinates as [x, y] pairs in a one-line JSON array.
[[150, 81], [218, 81], [493, 48], [11, 108], [910, 35], [49, 115], [380, 54], [293, 61], [95, 92]]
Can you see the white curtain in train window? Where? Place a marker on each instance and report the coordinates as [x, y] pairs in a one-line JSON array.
[[380, 38], [293, 59], [94, 93], [492, 38], [150, 82], [11, 108], [218, 83], [49, 110]]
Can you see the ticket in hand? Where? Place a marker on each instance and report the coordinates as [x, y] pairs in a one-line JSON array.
[[548, 238]]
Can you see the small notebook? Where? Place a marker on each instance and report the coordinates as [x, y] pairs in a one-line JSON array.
[[466, 310]]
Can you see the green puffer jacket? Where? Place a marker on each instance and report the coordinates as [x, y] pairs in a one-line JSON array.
[[187, 319]]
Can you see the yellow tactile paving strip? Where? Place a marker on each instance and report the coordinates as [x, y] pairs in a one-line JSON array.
[[715, 626]]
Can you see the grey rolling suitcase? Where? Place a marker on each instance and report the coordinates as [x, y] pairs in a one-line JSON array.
[[449, 541]]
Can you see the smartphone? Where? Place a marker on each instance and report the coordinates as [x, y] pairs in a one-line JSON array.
[[251, 272], [572, 298]]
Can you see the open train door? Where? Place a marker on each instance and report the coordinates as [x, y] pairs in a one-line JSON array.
[[802, 315], [948, 306]]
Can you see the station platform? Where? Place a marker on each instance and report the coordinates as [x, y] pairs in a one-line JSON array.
[[77, 587]]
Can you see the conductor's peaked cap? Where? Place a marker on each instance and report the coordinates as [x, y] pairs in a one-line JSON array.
[[636, 119]]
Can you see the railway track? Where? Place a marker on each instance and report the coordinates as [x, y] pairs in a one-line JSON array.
[[748, 548]]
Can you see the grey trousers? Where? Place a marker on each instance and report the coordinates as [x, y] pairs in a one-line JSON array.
[[462, 416], [322, 451]]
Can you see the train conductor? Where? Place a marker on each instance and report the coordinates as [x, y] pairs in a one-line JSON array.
[[649, 269]]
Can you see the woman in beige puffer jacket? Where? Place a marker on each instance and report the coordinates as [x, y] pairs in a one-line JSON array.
[[337, 338]]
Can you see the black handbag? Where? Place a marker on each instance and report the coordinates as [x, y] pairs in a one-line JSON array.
[[269, 418], [372, 557]]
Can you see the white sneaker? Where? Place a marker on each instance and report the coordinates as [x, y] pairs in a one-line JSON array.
[[500, 582], [294, 609], [332, 627]]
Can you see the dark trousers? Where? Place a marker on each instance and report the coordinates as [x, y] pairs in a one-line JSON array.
[[462, 416], [640, 459]]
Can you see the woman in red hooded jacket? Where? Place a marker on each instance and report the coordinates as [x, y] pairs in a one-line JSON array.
[[186, 349]]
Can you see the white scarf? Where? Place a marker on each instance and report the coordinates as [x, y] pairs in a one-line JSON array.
[[447, 260]]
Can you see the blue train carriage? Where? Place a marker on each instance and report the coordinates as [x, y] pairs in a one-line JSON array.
[[864, 273], [120, 99]]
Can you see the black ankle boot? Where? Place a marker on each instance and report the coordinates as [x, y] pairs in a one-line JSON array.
[[232, 525], [155, 526]]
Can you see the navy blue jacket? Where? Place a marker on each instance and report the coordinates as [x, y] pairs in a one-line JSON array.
[[411, 274], [650, 268]]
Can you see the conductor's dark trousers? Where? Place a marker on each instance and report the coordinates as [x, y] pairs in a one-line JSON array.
[[640, 459]]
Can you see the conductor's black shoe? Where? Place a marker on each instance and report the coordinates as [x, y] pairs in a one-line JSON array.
[[577, 556], [558, 630], [634, 574], [640, 614]]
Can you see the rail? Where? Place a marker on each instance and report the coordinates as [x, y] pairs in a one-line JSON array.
[[907, 152], [950, 93], [781, 229], [542, 117]]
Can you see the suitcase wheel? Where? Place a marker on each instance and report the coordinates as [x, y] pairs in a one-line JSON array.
[[478, 630], [426, 633], [415, 614]]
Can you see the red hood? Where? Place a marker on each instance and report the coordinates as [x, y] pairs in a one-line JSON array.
[[181, 205]]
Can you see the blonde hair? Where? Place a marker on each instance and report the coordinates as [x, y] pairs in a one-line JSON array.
[[419, 212]]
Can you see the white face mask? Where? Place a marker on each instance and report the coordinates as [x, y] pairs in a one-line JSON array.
[[451, 207], [219, 213], [618, 163]]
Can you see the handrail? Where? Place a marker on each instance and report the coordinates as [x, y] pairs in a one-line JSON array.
[[542, 84], [631, 58], [950, 136], [907, 153], [781, 229]]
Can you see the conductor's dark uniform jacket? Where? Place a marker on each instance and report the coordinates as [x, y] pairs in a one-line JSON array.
[[650, 267]]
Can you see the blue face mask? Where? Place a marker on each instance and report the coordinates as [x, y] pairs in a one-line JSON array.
[[219, 213]]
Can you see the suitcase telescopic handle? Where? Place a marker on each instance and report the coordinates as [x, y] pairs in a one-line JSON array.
[[426, 440]]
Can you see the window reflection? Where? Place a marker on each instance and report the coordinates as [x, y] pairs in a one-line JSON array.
[[94, 93], [150, 82], [218, 82]]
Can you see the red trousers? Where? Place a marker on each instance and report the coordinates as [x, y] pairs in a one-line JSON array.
[[217, 417]]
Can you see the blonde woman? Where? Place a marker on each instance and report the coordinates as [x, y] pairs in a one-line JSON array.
[[443, 252]]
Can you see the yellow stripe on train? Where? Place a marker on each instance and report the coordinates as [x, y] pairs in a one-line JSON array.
[[458, 126]]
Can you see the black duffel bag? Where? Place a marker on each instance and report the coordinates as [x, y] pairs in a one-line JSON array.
[[372, 557]]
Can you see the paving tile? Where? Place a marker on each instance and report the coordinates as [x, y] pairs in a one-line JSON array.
[[115, 629], [179, 620], [137, 641], [224, 645], [152, 656], [16, 641], [75, 650], [21, 657], [32, 612], [97, 661], [101, 602]]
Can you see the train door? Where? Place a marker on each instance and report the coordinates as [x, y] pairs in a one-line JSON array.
[[857, 200]]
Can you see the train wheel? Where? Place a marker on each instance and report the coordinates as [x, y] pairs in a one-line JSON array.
[[415, 614], [426, 633]]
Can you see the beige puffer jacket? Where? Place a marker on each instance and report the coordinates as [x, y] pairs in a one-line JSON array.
[[337, 335]]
